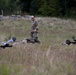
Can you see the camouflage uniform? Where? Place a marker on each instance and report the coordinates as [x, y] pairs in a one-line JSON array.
[[34, 32]]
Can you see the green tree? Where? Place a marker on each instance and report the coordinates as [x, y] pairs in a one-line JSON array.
[[34, 7], [71, 8], [45, 8], [14, 6], [25, 5], [49, 7], [4, 4]]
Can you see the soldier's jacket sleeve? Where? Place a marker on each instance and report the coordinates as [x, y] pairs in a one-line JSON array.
[[35, 25]]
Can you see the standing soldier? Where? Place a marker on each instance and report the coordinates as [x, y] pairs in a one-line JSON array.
[[34, 32]]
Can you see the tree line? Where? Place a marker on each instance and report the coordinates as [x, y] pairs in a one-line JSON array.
[[58, 8]]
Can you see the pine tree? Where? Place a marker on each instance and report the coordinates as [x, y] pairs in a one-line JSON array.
[[34, 7]]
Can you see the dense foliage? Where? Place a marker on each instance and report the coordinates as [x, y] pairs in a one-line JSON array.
[[39, 7]]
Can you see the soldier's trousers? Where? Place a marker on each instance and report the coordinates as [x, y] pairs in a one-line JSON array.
[[34, 35]]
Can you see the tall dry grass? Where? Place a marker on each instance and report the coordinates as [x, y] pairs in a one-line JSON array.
[[49, 57]]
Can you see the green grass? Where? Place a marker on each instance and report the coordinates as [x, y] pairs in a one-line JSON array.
[[49, 57], [6, 69]]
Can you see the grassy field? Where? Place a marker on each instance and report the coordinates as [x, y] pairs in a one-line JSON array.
[[49, 57]]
